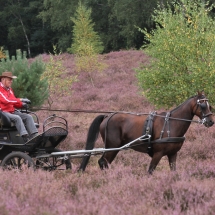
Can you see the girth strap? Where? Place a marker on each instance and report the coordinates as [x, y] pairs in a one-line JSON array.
[[169, 140], [148, 129], [148, 125]]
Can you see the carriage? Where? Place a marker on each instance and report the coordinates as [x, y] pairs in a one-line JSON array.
[[36, 153], [157, 135]]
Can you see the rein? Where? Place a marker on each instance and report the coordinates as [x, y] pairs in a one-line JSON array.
[[111, 112], [187, 120], [72, 111]]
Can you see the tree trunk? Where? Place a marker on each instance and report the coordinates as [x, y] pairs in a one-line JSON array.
[[17, 16], [26, 37]]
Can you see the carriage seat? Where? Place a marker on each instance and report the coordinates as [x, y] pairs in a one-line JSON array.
[[6, 122]]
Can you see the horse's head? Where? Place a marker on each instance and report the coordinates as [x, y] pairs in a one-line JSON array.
[[202, 109]]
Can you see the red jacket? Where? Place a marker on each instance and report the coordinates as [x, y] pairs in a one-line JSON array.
[[8, 101]]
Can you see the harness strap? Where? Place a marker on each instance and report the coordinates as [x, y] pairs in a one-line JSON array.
[[166, 121], [109, 117], [170, 140], [148, 129], [150, 123]]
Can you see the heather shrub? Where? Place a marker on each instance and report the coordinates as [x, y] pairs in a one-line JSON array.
[[125, 188], [182, 54]]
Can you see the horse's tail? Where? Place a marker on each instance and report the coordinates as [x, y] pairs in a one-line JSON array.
[[92, 136]]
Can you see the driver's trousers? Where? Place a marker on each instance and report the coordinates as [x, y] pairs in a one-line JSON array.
[[24, 122]]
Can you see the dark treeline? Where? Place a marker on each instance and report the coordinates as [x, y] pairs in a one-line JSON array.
[[36, 25]]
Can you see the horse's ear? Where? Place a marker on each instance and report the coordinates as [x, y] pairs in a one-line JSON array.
[[201, 93]]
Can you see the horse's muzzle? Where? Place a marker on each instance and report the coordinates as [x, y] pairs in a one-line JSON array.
[[208, 122]]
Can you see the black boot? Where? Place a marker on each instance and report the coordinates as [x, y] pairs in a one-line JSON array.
[[25, 138], [34, 135]]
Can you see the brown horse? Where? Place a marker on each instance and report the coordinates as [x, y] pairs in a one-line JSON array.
[[166, 131]]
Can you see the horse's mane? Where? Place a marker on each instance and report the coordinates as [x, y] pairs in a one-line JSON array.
[[179, 106]]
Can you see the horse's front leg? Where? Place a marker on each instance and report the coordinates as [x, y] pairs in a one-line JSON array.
[[154, 162], [172, 161]]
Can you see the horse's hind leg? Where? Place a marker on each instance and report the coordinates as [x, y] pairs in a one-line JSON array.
[[172, 161], [106, 159], [154, 162], [103, 164]]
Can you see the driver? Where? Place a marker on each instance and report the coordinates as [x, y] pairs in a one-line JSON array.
[[8, 103]]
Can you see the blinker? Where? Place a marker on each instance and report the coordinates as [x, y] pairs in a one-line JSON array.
[[203, 105]]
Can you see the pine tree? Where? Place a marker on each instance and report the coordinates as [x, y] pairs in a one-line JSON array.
[[86, 42], [28, 83]]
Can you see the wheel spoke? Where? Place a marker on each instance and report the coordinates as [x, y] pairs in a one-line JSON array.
[[17, 161], [12, 162], [52, 163]]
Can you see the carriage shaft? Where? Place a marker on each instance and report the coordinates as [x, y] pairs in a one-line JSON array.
[[102, 150]]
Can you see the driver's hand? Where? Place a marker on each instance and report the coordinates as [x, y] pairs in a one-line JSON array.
[[24, 105], [25, 100]]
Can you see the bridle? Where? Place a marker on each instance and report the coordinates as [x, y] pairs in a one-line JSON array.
[[203, 104]]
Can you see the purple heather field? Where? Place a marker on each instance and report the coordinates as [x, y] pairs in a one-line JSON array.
[[125, 188]]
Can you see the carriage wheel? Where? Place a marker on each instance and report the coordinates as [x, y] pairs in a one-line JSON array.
[[53, 163], [17, 161]]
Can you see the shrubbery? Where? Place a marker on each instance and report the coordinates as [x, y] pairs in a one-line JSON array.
[[182, 52], [29, 83], [59, 83]]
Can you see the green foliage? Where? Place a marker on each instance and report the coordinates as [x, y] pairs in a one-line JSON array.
[[28, 83], [58, 82], [86, 42], [21, 28], [182, 51], [47, 22], [2, 54], [56, 14], [90, 64], [124, 16]]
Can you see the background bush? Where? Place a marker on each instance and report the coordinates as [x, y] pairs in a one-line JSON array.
[[29, 83], [56, 75], [182, 51]]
